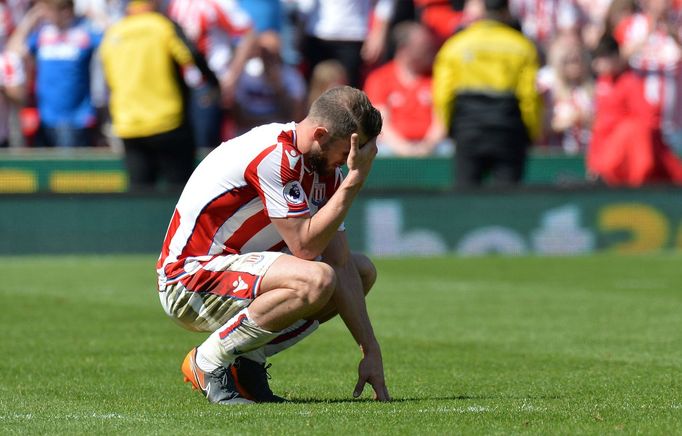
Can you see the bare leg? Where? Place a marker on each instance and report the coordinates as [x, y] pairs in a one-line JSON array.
[[368, 275], [292, 289]]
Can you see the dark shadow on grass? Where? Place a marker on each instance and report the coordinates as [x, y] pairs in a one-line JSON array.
[[370, 400], [346, 400], [417, 399]]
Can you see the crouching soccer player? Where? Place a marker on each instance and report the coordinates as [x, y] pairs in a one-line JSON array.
[[222, 268]]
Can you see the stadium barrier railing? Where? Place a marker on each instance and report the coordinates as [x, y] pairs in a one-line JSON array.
[[101, 171]]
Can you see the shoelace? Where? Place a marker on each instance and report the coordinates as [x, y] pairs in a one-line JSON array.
[[265, 370], [254, 377]]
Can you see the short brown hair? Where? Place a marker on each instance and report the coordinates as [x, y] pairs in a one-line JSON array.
[[345, 110], [403, 31]]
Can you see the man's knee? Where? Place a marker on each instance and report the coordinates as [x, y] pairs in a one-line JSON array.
[[323, 282], [319, 282]]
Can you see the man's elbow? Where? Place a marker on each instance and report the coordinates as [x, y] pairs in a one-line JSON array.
[[305, 253]]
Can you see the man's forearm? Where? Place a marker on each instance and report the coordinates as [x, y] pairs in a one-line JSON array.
[[246, 46], [350, 303], [322, 226]]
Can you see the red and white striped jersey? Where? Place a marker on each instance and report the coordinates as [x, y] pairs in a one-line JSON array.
[[230, 198], [659, 61], [212, 25]]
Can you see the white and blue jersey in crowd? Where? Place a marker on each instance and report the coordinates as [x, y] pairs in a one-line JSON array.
[[63, 73]]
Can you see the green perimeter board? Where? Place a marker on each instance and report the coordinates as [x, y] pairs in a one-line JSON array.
[[83, 223], [519, 222], [512, 222]]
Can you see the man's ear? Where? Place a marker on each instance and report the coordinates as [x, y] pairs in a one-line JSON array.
[[320, 134]]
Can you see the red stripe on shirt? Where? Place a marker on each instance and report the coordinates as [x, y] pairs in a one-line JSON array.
[[247, 230], [251, 174], [172, 228], [212, 217]]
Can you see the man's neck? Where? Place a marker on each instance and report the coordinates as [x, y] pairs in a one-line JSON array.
[[304, 131], [139, 7], [404, 72]]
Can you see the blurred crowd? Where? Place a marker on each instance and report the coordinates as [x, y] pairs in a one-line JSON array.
[[602, 77]]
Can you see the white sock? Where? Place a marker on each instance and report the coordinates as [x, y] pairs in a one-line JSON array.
[[237, 336], [287, 338], [290, 336]]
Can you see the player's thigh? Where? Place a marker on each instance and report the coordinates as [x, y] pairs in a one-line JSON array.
[[213, 289], [290, 272]]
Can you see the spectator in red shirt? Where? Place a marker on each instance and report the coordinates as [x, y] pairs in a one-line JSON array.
[[627, 145], [444, 19], [651, 41], [401, 90]]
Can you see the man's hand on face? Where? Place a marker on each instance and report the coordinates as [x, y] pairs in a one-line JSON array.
[[360, 158]]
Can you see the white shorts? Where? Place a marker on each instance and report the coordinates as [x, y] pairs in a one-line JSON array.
[[214, 288]]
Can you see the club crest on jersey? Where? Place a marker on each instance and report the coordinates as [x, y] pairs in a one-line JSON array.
[[293, 193], [318, 194]]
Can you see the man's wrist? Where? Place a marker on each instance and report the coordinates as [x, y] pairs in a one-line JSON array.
[[355, 179], [371, 347]]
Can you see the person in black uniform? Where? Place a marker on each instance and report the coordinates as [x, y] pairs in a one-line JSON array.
[[484, 91]]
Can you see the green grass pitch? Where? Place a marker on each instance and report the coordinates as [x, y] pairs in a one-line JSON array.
[[586, 345]]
